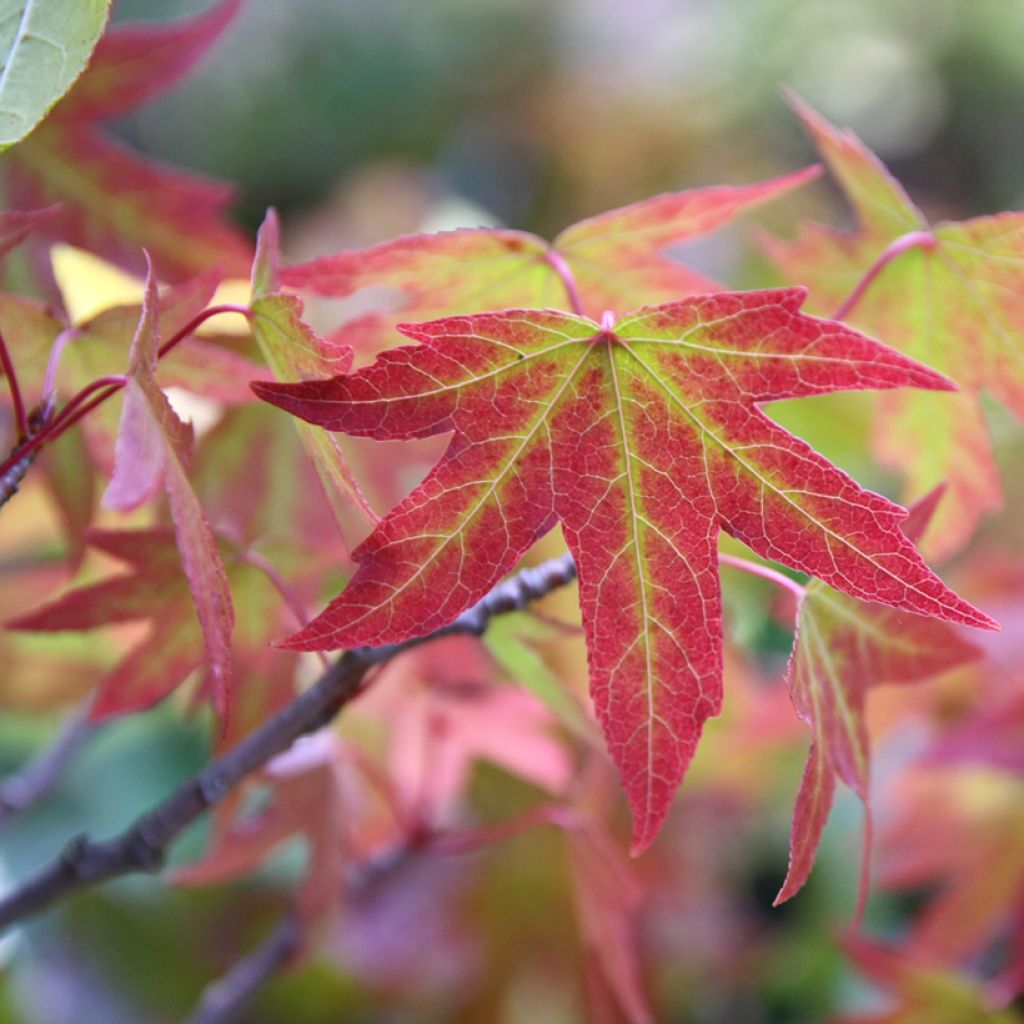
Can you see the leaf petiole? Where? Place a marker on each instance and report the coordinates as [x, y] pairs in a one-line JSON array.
[[558, 263], [77, 406], [911, 240], [765, 572]]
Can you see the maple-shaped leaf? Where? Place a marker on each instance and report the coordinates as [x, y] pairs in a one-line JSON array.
[[153, 588], [114, 201], [153, 449], [292, 351], [445, 713], [615, 260], [951, 299], [644, 438], [843, 647]]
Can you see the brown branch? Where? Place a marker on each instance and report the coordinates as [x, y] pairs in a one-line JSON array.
[[41, 773], [142, 846], [225, 1000]]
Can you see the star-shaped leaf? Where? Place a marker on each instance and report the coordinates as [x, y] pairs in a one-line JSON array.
[[615, 260], [952, 299], [114, 201], [153, 589], [644, 438]]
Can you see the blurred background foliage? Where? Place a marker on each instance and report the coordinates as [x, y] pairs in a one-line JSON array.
[[364, 119]]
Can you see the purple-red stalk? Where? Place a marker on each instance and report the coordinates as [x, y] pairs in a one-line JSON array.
[[20, 419], [765, 572], [564, 271], [74, 409], [911, 240]]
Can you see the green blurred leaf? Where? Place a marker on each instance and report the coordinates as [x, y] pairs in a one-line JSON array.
[[45, 46]]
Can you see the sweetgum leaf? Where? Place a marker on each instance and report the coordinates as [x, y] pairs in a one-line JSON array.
[[153, 448], [113, 201], [44, 47], [617, 260], [153, 588], [953, 304], [608, 898], [841, 648], [644, 438], [293, 350]]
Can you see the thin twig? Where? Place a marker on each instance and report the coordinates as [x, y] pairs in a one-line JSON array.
[[143, 846], [20, 419], [225, 1000], [41, 773], [74, 410]]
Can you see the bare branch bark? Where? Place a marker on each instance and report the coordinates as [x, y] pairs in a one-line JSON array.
[[225, 1000], [143, 846]]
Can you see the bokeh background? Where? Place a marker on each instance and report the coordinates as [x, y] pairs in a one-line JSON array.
[[363, 119]]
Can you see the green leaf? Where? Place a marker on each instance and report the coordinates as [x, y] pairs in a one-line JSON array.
[[45, 45]]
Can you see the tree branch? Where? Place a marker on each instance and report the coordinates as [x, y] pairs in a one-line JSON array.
[[226, 999], [142, 846]]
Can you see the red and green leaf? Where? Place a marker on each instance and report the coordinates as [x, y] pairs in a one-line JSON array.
[[644, 438], [293, 351], [615, 261], [153, 450], [842, 648], [113, 201], [153, 589], [949, 297]]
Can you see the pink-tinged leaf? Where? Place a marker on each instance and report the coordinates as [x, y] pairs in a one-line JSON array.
[[608, 897], [292, 351], [445, 714], [135, 62], [305, 799], [16, 225], [154, 589], [960, 788], [950, 299], [841, 649], [113, 201], [644, 438], [153, 448], [616, 259]]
